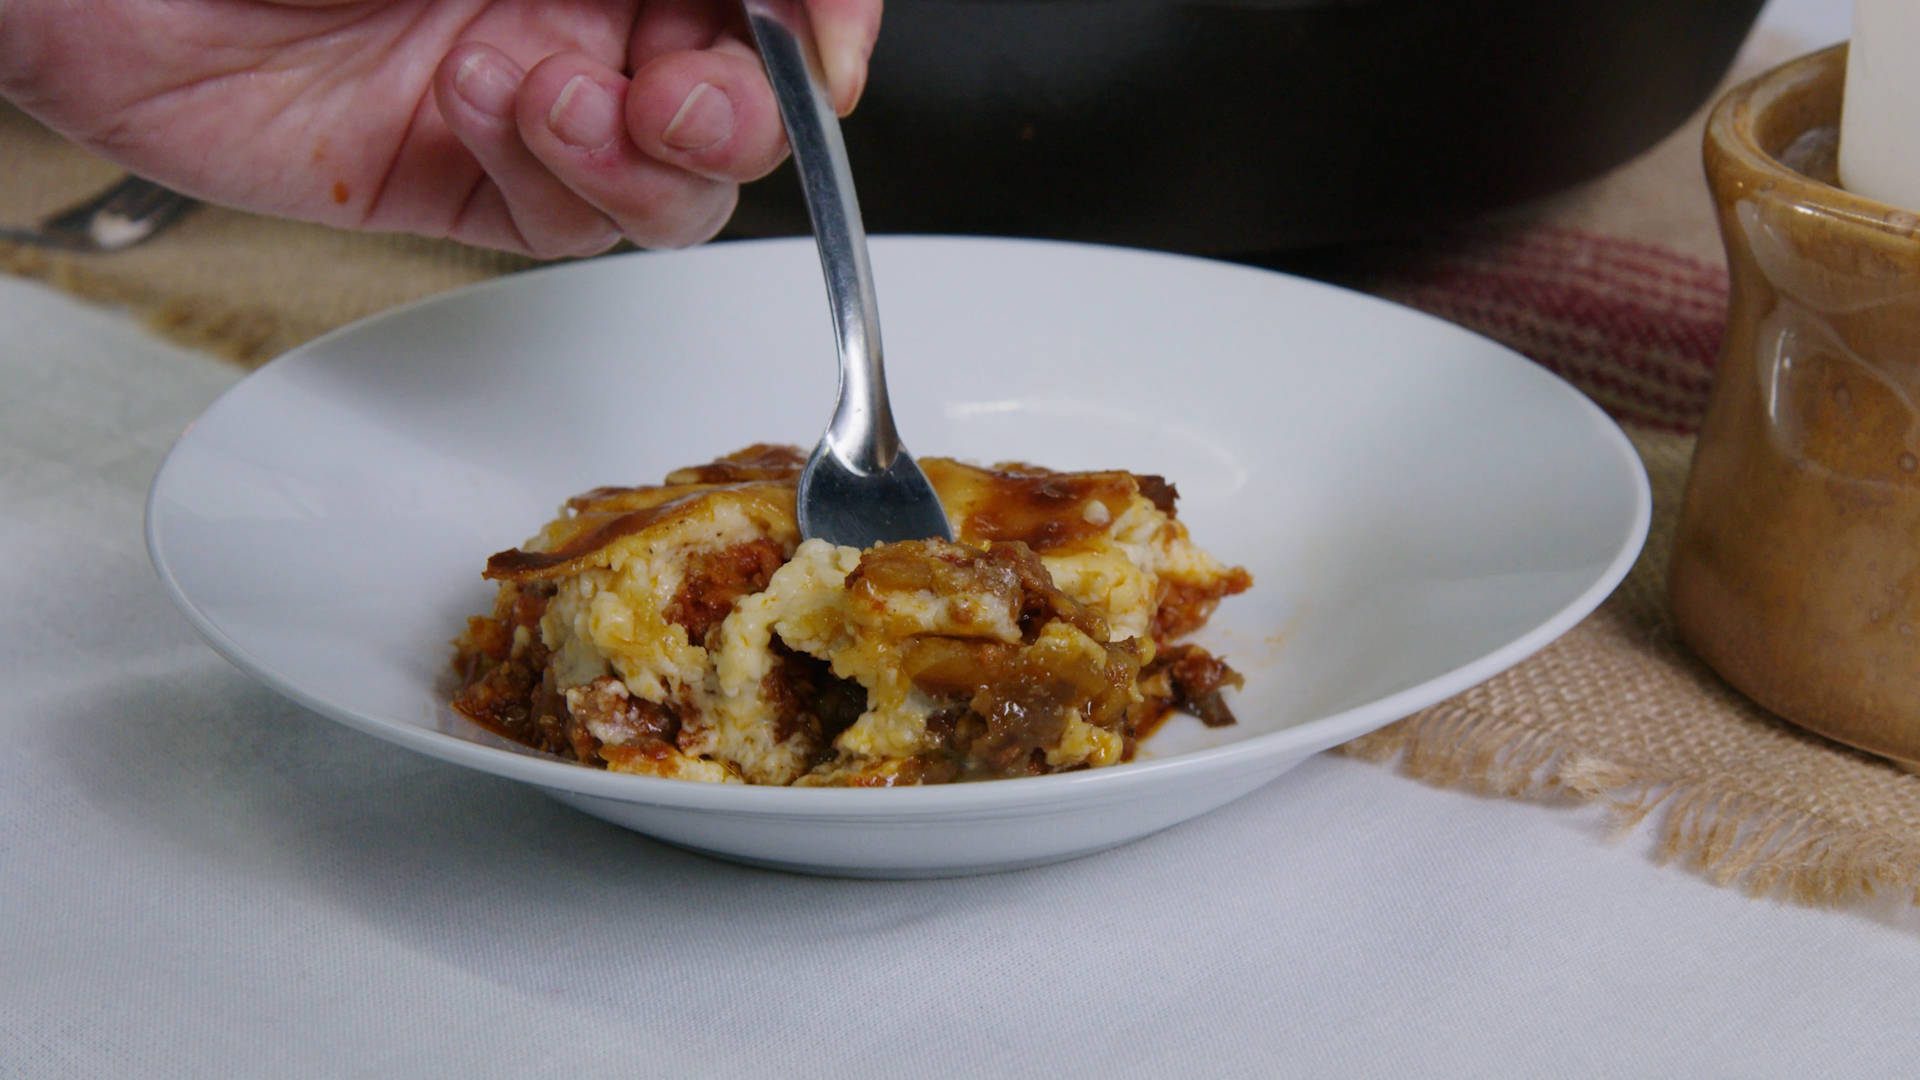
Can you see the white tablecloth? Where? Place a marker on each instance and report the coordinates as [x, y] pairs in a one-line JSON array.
[[199, 879]]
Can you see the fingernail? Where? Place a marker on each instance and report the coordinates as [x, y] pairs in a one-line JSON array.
[[705, 119], [843, 56], [585, 115], [859, 88], [486, 84]]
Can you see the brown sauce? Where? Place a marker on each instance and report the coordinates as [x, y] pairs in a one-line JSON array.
[[761, 461], [599, 528], [1046, 511], [1185, 607]]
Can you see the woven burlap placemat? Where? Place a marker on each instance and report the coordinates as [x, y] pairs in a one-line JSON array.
[[1618, 286], [243, 286]]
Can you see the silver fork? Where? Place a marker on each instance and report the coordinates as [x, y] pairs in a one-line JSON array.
[[117, 218], [860, 486]]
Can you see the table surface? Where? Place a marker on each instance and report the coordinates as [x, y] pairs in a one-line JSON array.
[[197, 878]]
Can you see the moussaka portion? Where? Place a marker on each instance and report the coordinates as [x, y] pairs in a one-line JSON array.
[[684, 630]]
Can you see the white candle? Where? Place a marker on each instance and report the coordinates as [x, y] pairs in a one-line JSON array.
[[1880, 122]]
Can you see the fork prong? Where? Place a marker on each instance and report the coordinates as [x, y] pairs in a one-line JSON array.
[[135, 213], [74, 219], [117, 217], [141, 200]]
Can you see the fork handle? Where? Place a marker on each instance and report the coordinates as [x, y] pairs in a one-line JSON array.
[[862, 431]]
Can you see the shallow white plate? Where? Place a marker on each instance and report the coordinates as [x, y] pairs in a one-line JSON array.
[[1420, 507]]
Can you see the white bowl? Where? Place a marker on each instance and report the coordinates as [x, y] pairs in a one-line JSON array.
[[1420, 507]]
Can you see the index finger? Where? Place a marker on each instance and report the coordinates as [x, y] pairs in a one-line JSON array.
[[845, 31]]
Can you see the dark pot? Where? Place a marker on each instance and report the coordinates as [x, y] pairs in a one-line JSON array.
[[1240, 126]]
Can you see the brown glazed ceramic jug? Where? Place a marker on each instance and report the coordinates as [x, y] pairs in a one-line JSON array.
[[1796, 570]]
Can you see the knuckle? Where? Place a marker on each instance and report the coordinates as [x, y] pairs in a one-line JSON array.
[[650, 210]]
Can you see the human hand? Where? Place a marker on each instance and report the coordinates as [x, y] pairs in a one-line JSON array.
[[552, 127]]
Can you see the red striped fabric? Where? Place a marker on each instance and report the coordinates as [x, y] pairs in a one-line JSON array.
[[1635, 326]]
